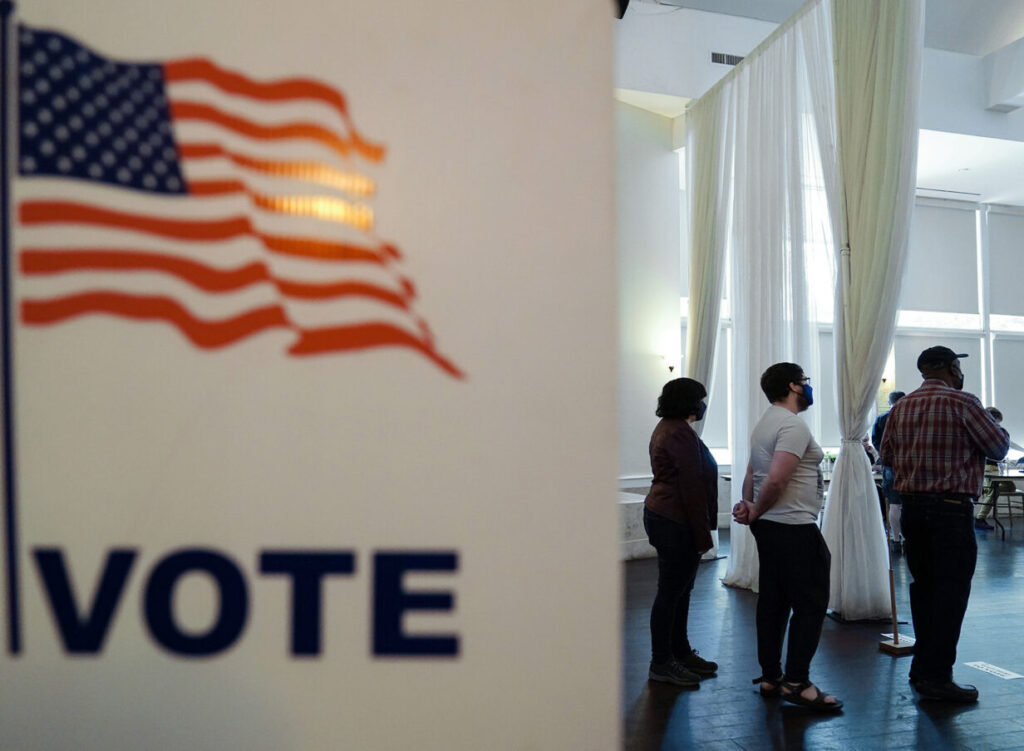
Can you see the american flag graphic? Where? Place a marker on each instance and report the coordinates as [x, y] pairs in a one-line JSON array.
[[189, 195]]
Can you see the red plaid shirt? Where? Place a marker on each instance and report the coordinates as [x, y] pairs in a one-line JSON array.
[[937, 438]]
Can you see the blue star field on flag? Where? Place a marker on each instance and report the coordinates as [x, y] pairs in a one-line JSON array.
[[83, 116]]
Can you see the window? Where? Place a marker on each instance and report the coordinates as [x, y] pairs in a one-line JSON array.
[[961, 289], [962, 292]]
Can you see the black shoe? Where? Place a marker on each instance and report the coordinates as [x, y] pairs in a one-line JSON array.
[[946, 691], [982, 524], [674, 672], [697, 664]]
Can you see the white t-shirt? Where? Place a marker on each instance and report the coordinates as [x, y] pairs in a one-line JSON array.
[[781, 430]]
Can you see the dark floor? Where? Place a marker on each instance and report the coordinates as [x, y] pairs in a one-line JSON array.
[[881, 711]]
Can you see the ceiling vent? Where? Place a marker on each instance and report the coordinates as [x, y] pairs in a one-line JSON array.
[[724, 59]]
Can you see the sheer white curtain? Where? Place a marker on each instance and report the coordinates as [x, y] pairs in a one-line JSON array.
[[877, 72], [778, 253], [709, 153]]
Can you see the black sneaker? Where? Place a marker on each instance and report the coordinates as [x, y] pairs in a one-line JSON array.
[[982, 524], [697, 664], [673, 671]]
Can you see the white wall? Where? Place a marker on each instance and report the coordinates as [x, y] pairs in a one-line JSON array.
[[649, 275]]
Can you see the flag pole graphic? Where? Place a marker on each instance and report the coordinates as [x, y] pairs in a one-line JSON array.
[[10, 486]]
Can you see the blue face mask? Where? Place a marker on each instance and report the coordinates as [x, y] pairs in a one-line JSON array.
[[808, 394], [701, 409]]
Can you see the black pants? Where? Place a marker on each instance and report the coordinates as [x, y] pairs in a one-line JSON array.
[[678, 560], [794, 578], [941, 553]]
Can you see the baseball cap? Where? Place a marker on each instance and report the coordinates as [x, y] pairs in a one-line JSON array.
[[937, 356]]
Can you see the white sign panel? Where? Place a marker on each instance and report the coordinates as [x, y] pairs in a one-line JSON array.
[[308, 357], [904, 639], [998, 672]]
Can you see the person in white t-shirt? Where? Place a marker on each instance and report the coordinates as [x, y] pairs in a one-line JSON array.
[[781, 505]]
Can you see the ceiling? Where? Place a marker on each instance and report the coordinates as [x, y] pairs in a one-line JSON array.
[[974, 27], [970, 168], [950, 165]]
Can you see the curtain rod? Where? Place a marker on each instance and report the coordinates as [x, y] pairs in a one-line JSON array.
[[754, 53]]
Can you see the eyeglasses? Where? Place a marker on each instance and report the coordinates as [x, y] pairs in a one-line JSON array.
[[804, 380]]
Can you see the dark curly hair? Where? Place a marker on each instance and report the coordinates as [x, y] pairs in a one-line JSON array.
[[679, 398], [775, 381]]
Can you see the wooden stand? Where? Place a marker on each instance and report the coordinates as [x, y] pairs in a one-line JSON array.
[[893, 646]]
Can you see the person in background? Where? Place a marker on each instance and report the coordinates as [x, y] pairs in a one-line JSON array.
[[680, 511], [995, 487], [936, 441], [892, 498], [869, 450], [872, 455], [780, 503]]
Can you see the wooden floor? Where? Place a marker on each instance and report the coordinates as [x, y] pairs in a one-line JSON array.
[[881, 711]]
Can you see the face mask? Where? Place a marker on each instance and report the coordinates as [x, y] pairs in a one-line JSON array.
[[808, 394], [701, 409]]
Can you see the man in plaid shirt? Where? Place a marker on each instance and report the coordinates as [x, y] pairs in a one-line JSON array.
[[936, 440]]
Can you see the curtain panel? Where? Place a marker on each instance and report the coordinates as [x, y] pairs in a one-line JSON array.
[[878, 49], [769, 112]]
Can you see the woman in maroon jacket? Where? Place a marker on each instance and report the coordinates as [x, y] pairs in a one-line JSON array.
[[679, 514]]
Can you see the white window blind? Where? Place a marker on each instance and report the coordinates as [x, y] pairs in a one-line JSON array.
[[909, 346], [1006, 263], [1008, 356], [942, 264]]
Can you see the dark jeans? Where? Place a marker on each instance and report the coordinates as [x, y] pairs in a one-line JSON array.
[[678, 560], [794, 578], [941, 553]]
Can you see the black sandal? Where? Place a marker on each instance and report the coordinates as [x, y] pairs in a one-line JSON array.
[[791, 693], [768, 693]]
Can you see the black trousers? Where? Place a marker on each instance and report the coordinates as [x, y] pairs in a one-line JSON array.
[[678, 560], [941, 553], [794, 580]]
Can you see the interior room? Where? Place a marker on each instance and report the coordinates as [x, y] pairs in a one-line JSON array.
[[958, 289]]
